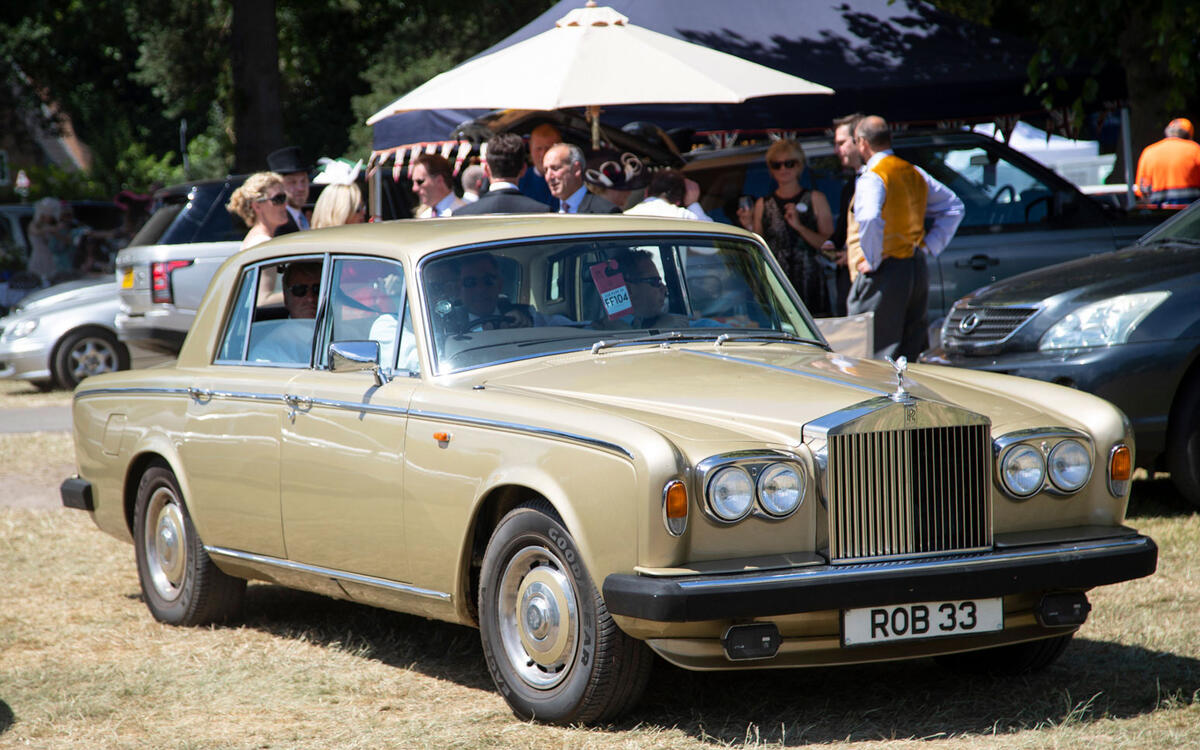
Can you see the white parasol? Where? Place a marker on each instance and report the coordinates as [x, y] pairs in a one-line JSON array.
[[594, 57]]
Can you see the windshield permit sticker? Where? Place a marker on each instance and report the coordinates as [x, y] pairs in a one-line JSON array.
[[611, 285]]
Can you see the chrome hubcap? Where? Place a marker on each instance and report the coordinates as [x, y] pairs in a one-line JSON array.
[[166, 543], [92, 357], [539, 617]]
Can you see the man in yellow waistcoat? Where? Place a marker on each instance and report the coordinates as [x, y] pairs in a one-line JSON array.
[[886, 241]]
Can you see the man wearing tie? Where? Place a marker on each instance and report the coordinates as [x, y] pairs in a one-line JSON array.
[[564, 174]]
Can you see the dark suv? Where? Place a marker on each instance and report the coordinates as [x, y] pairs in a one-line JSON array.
[[1020, 215], [165, 271]]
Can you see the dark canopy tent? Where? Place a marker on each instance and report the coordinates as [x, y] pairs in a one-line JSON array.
[[905, 60]]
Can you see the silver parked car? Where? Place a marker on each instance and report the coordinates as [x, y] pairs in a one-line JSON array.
[[63, 334]]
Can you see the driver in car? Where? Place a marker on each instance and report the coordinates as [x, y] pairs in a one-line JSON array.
[[479, 285]]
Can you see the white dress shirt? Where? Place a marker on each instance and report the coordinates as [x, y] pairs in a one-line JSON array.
[[942, 206]]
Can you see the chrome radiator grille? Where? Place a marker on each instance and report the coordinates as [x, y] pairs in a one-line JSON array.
[[903, 493]]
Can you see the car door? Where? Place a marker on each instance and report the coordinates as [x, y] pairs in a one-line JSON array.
[[232, 442], [1018, 216], [342, 440]]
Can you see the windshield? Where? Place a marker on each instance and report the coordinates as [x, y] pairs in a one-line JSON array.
[[1184, 227], [524, 300]]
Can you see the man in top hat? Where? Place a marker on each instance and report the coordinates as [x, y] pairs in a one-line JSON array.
[[1168, 172], [503, 165], [287, 163]]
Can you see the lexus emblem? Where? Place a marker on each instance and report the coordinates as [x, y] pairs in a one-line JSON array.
[[968, 324]]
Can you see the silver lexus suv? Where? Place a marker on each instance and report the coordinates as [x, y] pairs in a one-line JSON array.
[[163, 273]]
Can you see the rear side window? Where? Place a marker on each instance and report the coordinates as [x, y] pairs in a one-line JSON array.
[[198, 216]]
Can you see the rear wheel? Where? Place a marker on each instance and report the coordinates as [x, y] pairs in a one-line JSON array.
[[1017, 659], [553, 650], [87, 352], [1183, 445], [180, 584]]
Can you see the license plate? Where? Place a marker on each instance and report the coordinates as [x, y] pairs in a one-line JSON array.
[[127, 279], [906, 622]]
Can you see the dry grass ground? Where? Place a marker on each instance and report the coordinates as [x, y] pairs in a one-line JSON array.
[[82, 664]]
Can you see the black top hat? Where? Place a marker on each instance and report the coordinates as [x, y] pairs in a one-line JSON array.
[[286, 161]]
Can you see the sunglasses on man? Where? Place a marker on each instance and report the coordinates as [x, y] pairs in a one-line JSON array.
[[302, 290]]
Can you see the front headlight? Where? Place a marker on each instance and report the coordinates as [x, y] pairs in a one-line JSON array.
[[21, 328], [780, 490], [1069, 465], [1023, 470], [1105, 323], [731, 494]]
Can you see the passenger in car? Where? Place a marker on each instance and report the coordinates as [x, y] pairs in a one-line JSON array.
[[290, 341], [647, 296]]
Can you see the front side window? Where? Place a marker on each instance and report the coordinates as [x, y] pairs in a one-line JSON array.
[[368, 303], [524, 300], [994, 191]]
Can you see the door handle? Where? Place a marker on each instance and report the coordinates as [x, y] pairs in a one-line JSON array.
[[977, 262], [297, 402], [199, 394]]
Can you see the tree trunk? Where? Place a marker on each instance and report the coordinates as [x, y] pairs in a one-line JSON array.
[[257, 112]]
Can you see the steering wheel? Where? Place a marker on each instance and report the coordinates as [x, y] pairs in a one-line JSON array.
[[1012, 194]]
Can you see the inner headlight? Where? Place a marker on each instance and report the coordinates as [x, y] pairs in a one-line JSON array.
[[21, 328], [780, 489], [1105, 323], [731, 493], [1069, 465], [1022, 470]]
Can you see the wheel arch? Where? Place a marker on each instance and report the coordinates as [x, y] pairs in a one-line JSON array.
[[492, 507], [1188, 384], [138, 466]]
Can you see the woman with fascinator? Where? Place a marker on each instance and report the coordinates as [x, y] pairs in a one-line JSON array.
[[341, 202], [615, 176]]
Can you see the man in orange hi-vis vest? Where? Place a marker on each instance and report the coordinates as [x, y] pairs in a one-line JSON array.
[[1168, 172], [886, 241]]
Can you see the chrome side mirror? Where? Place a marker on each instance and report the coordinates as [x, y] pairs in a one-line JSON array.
[[356, 356]]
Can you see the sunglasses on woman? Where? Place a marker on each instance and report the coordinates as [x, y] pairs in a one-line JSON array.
[[278, 199], [785, 164]]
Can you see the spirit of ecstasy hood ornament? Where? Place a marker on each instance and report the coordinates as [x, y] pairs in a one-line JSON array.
[[900, 364]]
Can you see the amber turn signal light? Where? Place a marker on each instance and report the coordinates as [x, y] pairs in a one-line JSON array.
[[1120, 464], [441, 437], [676, 500]]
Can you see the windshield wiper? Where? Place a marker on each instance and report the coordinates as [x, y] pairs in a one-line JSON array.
[[769, 335], [1190, 241], [690, 335]]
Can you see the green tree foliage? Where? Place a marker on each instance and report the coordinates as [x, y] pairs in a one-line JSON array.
[[1154, 41], [128, 72]]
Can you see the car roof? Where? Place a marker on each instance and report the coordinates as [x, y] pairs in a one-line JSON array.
[[411, 239]]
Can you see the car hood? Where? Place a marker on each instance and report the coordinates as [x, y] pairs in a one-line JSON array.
[[67, 295], [743, 392], [1096, 276]]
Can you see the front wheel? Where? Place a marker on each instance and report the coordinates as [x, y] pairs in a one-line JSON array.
[[553, 650], [87, 352], [180, 584], [1183, 445], [1008, 661]]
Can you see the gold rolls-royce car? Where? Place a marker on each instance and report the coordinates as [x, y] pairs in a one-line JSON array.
[[598, 439]]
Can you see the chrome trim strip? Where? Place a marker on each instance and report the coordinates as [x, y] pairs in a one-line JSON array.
[[396, 411], [382, 583], [139, 389], [836, 571], [528, 429], [802, 373]]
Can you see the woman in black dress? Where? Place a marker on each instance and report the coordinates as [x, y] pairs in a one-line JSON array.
[[795, 222]]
